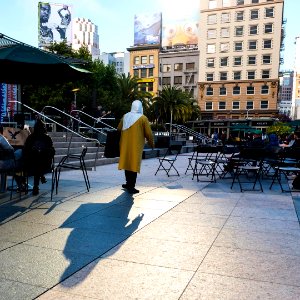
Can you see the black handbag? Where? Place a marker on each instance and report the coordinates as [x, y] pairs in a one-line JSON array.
[[112, 148]]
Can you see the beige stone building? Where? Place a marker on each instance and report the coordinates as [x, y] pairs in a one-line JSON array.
[[240, 44], [144, 65]]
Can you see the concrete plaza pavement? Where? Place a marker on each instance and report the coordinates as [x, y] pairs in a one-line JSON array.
[[176, 239]]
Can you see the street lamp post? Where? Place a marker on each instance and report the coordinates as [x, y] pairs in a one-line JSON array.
[[75, 96]]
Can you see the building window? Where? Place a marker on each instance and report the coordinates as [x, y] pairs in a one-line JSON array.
[[264, 104], [208, 105], [264, 90], [253, 29], [211, 34], [267, 44], [143, 87], [269, 12], [166, 80], [239, 16], [150, 86], [251, 75], [144, 60], [212, 4], [223, 75], [209, 91], [212, 19], [225, 18], [239, 2], [222, 105], [265, 74], [150, 72], [224, 47], [151, 59], [249, 105], [210, 62], [269, 28], [136, 73], [236, 105], [266, 59], [178, 67], [239, 30], [136, 60], [252, 45], [222, 91], [211, 48], [250, 90], [209, 76], [254, 14], [189, 79], [226, 3], [252, 60], [237, 75], [166, 68], [177, 79], [236, 90], [237, 61], [143, 73], [225, 32], [224, 61], [190, 66], [238, 46]]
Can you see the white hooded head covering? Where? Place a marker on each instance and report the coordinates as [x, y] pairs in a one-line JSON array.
[[131, 117]]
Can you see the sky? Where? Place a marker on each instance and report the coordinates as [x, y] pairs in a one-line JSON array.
[[115, 20]]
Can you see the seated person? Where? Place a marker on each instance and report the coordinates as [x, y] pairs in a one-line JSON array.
[[38, 154], [8, 164]]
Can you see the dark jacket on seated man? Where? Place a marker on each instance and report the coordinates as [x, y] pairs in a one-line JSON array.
[[38, 154]]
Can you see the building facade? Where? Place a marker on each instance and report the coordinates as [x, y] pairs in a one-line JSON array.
[[121, 61], [144, 65], [240, 43], [285, 92], [179, 67], [295, 111], [86, 33]]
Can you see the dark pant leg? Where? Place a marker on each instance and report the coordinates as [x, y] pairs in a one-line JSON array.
[[36, 179], [130, 178]]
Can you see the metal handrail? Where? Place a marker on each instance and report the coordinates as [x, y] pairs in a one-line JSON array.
[[96, 120], [67, 129]]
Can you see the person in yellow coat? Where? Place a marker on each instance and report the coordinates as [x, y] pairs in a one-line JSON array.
[[135, 128]]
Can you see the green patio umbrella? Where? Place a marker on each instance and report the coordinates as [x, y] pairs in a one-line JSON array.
[[24, 64]]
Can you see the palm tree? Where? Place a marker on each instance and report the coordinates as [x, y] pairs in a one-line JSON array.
[[128, 90], [173, 103]]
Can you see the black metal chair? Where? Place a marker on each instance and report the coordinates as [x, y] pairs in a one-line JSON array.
[[248, 169], [166, 163], [66, 164], [205, 162]]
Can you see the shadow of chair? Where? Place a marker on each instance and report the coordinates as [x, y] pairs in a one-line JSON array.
[[67, 162], [166, 163]]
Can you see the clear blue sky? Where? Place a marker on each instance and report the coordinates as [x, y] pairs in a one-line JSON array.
[[114, 18]]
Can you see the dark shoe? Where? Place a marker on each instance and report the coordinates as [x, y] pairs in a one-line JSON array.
[[43, 179], [35, 190], [21, 188], [133, 191], [124, 186]]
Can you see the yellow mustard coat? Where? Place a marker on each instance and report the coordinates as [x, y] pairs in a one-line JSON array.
[[132, 143]]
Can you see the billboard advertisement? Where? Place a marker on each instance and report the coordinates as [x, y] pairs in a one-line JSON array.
[[8, 93], [180, 32], [147, 29], [54, 23]]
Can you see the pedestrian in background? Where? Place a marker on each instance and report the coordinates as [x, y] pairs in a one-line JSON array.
[[135, 128]]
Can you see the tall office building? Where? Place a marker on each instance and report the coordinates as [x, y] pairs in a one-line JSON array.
[[119, 59], [240, 43], [86, 33], [295, 111], [285, 92]]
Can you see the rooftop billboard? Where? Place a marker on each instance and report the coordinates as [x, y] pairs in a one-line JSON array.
[[147, 29], [54, 23]]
